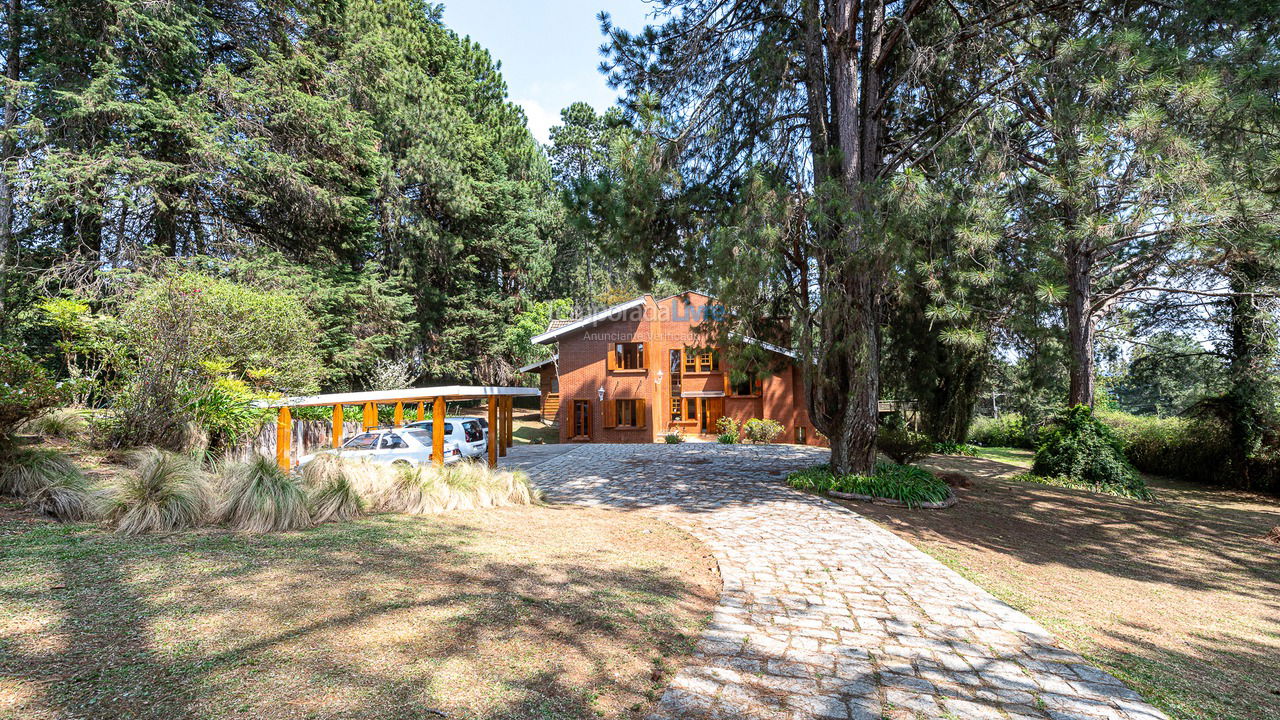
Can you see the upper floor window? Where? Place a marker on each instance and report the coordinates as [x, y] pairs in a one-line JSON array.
[[747, 388], [701, 361], [627, 356]]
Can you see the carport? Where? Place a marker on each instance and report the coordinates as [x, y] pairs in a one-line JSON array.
[[497, 399]]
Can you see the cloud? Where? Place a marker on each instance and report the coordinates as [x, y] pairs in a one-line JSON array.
[[540, 119]]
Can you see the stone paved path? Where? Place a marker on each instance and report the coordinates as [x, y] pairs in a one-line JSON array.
[[824, 614]]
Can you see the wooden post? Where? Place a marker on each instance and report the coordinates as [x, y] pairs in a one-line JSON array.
[[284, 437], [504, 412], [422, 411], [399, 417], [437, 431], [511, 421], [370, 415], [337, 425], [494, 439]]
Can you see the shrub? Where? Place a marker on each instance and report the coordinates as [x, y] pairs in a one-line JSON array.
[[674, 436], [761, 431], [165, 491], [1006, 431], [1080, 447], [1191, 449], [26, 390], [730, 430], [906, 483], [48, 481], [260, 497], [953, 448], [903, 445]]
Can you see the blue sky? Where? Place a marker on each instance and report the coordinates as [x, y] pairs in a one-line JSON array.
[[549, 49]]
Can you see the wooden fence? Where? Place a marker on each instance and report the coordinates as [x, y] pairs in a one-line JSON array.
[[308, 437]]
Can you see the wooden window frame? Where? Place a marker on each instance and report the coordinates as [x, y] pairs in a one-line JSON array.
[[618, 357], [640, 418], [573, 417], [757, 389], [700, 363]]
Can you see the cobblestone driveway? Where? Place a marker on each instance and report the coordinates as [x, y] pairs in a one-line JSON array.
[[824, 614]]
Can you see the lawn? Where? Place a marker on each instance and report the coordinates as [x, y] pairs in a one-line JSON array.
[[1179, 597], [1013, 456], [540, 612]]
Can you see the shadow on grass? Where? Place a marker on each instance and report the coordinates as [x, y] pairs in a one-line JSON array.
[[369, 619]]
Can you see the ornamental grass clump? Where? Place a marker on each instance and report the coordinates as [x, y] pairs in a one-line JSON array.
[[331, 495], [260, 497], [165, 491], [424, 490], [910, 485], [63, 423], [48, 481]]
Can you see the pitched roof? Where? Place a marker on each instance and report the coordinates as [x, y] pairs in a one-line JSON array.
[[554, 332], [539, 363]]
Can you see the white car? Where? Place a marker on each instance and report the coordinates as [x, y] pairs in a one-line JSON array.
[[408, 446], [470, 435]]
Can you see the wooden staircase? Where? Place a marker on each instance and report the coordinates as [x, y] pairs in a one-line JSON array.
[[551, 408]]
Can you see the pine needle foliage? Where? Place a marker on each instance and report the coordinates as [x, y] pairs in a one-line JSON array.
[[260, 497], [165, 491]]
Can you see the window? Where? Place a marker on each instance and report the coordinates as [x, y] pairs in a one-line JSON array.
[[692, 405], [677, 409], [422, 436], [448, 428], [364, 441], [627, 356], [471, 431], [800, 435], [677, 405], [392, 441], [625, 413], [701, 361], [747, 388]]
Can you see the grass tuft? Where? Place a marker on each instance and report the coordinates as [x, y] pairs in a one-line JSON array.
[[260, 497], [425, 490], [166, 491], [332, 497], [25, 472], [63, 423], [1134, 491]]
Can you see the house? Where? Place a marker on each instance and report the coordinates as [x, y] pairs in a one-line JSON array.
[[638, 368]]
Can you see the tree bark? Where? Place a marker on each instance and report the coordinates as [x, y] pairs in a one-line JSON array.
[[9, 150], [1080, 319]]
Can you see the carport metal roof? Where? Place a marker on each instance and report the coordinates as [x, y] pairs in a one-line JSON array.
[[449, 392]]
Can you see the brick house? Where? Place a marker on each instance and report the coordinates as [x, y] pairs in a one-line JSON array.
[[630, 372]]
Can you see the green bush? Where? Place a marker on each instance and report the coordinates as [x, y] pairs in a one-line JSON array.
[[1010, 430], [761, 431], [903, 445], [906, 483], [730, 431], [1080, 447], [165, 491], [1190, 449], [260, 497], [953, 448], [674, 436], [26, 390]]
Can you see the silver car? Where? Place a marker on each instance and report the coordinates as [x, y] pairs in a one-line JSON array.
[[470, 435], [407, 446]]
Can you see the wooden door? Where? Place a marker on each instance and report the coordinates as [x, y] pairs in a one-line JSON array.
[[711, 414], [582, 418]]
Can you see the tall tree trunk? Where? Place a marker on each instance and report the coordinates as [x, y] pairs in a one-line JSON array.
[[1253, 344], [845, 395], [1080, 320], [9, 151]]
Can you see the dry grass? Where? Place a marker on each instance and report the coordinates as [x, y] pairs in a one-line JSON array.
[[1179, 597], [426, 490], [257, 496], [166, 491], [507, 613]]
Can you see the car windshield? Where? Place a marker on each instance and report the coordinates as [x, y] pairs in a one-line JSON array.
[[364, 441], [448, 427]]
